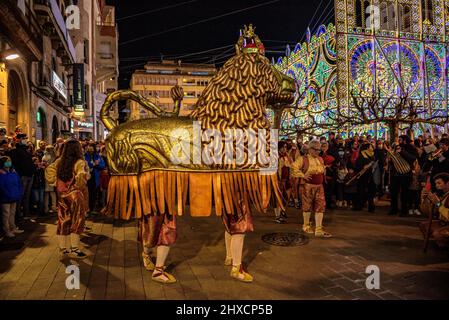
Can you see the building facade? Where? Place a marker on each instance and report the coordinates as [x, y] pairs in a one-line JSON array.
[[106, 63], [37, 89], [97, 50], [37, 80], [157, 78], [393, 48]]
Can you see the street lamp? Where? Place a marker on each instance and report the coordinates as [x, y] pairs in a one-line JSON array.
[[10, 55]]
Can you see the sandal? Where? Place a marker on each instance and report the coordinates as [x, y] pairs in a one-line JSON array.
[[76, 253], [63, 253], [240, 273], [147, 262], [228, 262], [161, 276], [322, 234], [307, 229]]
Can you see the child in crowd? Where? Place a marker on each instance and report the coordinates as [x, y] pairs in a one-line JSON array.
[[11, 193]]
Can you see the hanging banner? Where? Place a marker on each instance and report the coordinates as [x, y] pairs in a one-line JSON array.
[[79, 96]]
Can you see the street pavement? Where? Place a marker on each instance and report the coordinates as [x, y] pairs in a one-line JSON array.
[[331, 269]]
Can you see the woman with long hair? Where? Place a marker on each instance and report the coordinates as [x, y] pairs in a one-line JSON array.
[[70, 174]]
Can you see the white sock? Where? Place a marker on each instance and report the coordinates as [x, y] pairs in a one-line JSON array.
[[162, 253], [228, 238], [319, 220], [307, 216], [75, 240], [277, 212], [62, 241], [237, 249], [147, 250]]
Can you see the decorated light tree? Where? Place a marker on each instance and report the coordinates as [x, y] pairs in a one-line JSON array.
[[394, 112]]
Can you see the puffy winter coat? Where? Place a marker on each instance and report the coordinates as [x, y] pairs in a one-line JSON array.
[[11, 189]]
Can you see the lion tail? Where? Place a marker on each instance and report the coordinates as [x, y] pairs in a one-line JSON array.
[[121, 95]]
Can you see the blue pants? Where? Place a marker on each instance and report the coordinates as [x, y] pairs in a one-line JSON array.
[[38, 199]]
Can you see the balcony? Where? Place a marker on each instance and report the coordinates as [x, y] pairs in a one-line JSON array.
[[106, 56], [54, 25], [22, 28]]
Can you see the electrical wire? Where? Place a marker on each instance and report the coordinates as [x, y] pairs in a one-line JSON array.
[[318, 22], [156, 10], [197, 22]]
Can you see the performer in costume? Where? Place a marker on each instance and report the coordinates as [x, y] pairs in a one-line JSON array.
[[70, 174], [146, 184], [312, 170]]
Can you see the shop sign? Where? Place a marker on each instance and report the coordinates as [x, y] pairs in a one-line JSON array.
[[59, 85], [83, 124]]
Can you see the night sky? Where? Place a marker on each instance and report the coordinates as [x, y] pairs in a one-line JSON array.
[[277, 23]]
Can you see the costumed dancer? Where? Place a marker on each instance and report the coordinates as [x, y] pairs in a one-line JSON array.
[[158, 231], [312, 170], [70, 174], [236, 226]]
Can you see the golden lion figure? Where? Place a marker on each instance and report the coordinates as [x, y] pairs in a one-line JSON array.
[[147, 184]]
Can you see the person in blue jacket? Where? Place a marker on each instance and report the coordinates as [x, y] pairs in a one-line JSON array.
[[96, 165], [11, 192]]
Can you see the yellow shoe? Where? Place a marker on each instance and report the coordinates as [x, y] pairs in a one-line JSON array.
[[228, 262], [307, 229], [147, 262], [161, 276], [239, 273]]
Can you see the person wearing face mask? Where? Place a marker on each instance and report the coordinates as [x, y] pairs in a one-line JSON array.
[[96, 165], [24, 165], [10, 193]]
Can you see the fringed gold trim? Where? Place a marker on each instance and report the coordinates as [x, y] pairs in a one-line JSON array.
[[159, 192]]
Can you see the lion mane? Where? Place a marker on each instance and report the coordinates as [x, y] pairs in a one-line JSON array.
[[237, 95]]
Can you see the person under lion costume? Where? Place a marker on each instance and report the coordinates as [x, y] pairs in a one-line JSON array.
[[148, 184]]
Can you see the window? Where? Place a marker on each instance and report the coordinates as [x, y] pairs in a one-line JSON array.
[[189, 82], [53, 64], [427, 12], [359, 13], [405, 18]]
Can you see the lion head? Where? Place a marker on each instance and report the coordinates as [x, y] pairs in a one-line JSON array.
[[238, 95]]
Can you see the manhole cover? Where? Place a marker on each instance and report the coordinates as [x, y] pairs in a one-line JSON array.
[[285, 239]]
